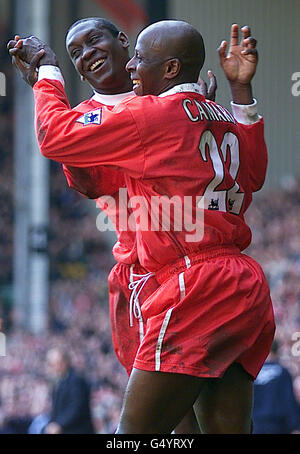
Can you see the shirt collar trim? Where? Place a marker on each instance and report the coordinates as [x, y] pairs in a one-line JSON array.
[[111, 100], [193, 87]]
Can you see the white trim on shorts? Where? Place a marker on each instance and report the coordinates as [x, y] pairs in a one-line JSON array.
[[165, 323]]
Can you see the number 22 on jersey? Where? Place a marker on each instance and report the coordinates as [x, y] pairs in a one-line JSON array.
[[229, 200]]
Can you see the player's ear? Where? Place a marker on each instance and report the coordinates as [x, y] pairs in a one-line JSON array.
[[172, 68], [124, 40]]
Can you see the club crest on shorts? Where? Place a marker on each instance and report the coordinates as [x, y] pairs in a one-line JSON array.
[[91, 118]]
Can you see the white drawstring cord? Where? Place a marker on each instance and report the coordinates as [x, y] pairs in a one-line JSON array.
[[134, 305]]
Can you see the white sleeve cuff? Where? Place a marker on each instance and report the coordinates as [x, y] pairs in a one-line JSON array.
[[51, 72], [245, 113]]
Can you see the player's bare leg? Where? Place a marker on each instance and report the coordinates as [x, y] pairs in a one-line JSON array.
[[225, 404], [189, 424], [155, 402]]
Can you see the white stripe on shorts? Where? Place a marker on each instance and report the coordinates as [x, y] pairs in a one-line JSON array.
[[141, 329], [161, 336], [181, 285], [165, 323]]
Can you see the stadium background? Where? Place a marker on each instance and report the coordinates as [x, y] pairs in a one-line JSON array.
[[54, 262]]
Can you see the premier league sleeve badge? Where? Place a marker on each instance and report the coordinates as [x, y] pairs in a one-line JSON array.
[[91, 118]]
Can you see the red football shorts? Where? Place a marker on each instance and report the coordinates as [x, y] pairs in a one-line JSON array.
[[211, 309], [127, 324]]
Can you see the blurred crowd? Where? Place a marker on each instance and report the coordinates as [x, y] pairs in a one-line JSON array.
[[78, 305], [274, 218], [78, 320]]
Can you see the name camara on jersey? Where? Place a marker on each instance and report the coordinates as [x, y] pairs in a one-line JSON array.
[[199, 111]]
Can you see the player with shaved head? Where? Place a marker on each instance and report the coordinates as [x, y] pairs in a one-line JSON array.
[[99, 52], [209, 325]]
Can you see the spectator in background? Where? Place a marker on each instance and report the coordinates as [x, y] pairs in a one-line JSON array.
[[276, 410], [70, 413]]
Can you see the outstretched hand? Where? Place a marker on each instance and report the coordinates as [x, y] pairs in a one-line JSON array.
[[240, 63], [210, 91]]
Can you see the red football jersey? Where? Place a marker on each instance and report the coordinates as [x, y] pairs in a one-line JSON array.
[[99, 181], [178, 151]]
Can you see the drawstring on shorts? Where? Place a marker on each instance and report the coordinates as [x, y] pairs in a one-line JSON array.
[[136, 285]]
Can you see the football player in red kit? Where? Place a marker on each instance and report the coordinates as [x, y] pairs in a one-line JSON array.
[[128, 283], [110, 87], [209, 325]]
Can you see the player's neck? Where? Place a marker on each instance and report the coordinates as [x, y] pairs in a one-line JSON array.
[[115, 90], [169, 85]]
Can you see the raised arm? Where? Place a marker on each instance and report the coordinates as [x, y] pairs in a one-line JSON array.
[[239, 64], [28, 55], [101, 137]]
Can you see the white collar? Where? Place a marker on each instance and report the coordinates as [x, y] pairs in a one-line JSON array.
[[111, 100], [192, 86]]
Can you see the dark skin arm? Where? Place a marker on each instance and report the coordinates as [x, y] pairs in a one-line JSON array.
[[239, 65]]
